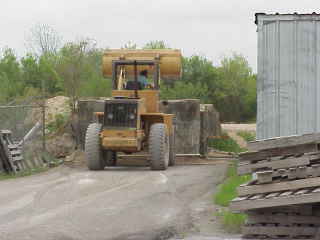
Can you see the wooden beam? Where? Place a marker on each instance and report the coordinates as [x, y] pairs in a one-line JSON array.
[[283, 142], [293, 150], [279, 231], [248, 204], [279, 164], [304, 209], [277, 187], [282, 219]]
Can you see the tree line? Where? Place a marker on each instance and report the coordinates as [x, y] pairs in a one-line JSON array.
[[74, 69]]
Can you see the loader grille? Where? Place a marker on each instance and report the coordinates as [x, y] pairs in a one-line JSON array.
[[121, 114]]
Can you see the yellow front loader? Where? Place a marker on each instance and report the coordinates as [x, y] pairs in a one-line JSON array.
[[131, 121]]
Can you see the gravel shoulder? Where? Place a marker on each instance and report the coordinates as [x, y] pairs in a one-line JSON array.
[[117, 203]]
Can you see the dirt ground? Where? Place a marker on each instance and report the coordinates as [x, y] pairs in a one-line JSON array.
[[72, 203], [232, 130], [239, 127]]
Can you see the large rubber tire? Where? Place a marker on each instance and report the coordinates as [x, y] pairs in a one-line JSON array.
[[172, 150], [159, 147], [93, 150], [110, 158]]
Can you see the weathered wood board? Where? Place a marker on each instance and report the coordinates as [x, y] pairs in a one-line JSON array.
[[277, 187], [279, 164], [265, 154], [282, 219], [284, 199], [279, 230], [283, 142]]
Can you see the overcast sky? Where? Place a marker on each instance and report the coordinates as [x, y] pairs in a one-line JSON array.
[[213, 28]]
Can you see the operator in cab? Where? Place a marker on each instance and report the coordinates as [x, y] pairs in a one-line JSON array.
[[143, 79]]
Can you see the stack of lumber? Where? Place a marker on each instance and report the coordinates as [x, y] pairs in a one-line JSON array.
[[283, 199], [11, 160]]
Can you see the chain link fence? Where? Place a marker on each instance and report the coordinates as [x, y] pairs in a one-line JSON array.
[[25, 120]]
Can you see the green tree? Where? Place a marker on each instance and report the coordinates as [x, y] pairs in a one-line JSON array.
[[10, 76], [30, 71], [182, 90], [80, 71], [236, 89]]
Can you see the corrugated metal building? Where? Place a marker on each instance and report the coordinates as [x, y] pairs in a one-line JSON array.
[[288, 74]]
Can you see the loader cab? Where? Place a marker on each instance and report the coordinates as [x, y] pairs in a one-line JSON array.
[[121, 80], [126, 85]]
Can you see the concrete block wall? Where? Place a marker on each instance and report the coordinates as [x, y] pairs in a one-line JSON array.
[[194, 123]]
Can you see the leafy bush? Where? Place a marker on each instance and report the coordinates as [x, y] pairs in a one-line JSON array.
[[248, 136], [59, 122], [226, 144]]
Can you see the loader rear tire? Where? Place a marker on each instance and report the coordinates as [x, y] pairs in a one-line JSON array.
[[159, 147], [93, 150]]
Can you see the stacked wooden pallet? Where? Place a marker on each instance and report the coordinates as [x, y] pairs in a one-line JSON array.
[[11, 159], [283, 199]]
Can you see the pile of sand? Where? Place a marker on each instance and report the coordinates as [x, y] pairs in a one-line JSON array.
[[54, 106]]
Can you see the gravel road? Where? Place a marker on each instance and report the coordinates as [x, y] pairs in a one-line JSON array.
[[117, 203]]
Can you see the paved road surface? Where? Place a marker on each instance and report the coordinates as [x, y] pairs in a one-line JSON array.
[[120, 203]]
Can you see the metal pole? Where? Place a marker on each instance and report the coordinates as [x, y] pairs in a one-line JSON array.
[[136, 79], [43, 116]]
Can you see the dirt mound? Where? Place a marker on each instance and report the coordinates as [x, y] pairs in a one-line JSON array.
[[54, 106]]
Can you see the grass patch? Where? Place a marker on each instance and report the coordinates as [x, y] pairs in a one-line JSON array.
[[232, 222], [226, 144], [246, 135], [29, 172], [227, 191]]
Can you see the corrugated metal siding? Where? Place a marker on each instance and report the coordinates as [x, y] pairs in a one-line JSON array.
[[288, 75]]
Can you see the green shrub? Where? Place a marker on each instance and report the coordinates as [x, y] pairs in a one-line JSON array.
[[248, 136], [226, 144], [59, 121]]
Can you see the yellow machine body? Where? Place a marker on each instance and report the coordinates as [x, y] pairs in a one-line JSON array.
[[135, 139], [169, 60]]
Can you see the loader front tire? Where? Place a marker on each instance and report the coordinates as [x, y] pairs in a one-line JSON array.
[[159, 147], [93, 150]]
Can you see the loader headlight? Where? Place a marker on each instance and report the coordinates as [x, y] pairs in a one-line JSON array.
[[132, 116], [110, 116]]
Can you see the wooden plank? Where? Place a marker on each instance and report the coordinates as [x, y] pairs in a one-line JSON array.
[[17, 158], [275, 202], [15, 152], [305, 210], [294, 150], [264, 176], [281, 142], [286, 163], [282, 219], [279, 230], [277, 187], [13, 146]]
